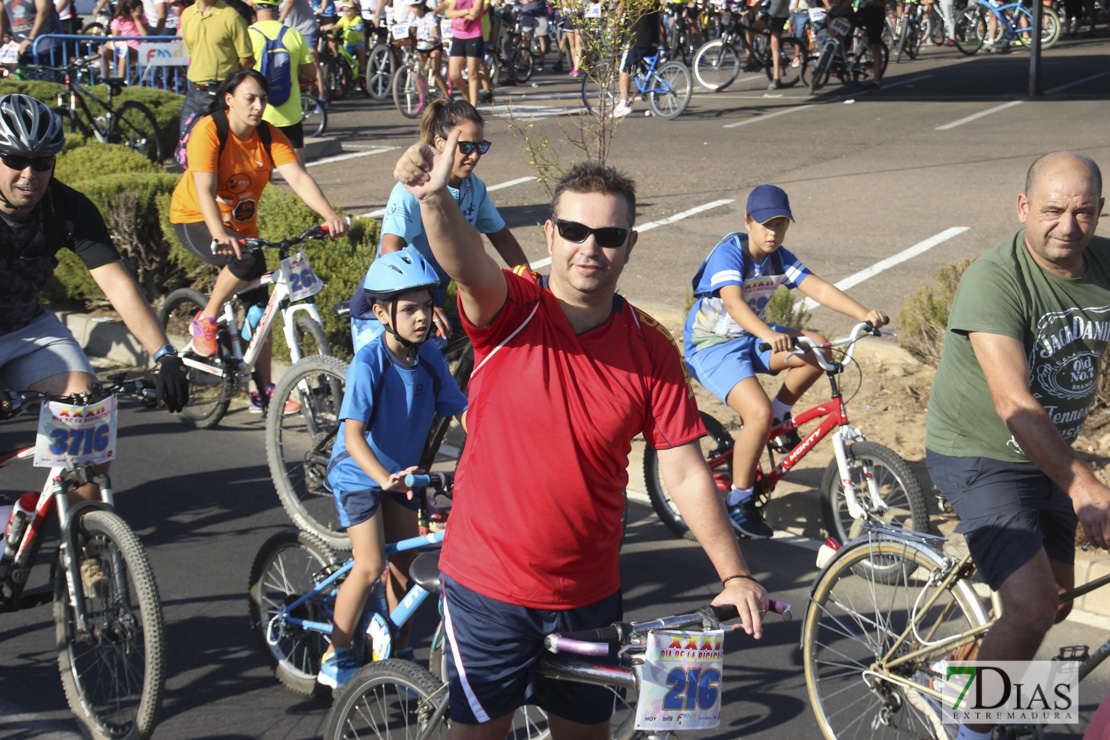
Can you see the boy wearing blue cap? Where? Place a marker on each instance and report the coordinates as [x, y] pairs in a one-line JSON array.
[[727, 323], [394, 386]]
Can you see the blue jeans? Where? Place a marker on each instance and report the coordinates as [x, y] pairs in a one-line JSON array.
[[798, 23]]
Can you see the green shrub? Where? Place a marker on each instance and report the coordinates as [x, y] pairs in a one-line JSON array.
[[782, 310], [924, 317], [79, 163]]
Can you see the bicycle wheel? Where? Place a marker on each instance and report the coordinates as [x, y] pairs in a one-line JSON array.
[[971, 30], [523, 64], [599, 90], [298, 446], [344, 78], [391, 699], [898, 488], [210, 393], [792, 61], [380, 64], [1050, 28], [115, 676], [285, 568], [852, 622], [671, 87], [314, 117], [716, 65], [714, 445], [863, 63], [134, 126], [907, 42], [310, 336], [409, 94], [821, 69]]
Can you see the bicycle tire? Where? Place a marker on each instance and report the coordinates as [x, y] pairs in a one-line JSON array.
[[842, 649], [898, 488], [343, 78], [209, 395], [389, 698], [904, 43], [821, 69], [409, 93], [76, 126], [677, 86], [380, 64], [863, 64], [298, 446], [284, 569], [971, 30], [314, 117], [134, 126], [716, 65], [310, 337], [1051, 29], [114, 684], [789, 49], [524, 64], [599, 87], [716, 443]]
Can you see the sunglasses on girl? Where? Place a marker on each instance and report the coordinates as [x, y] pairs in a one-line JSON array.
[[466, 147], [19, 163], [606, 236]]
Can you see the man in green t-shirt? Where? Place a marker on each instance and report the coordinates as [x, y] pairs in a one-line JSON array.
[[286, 116], [1017, 377]]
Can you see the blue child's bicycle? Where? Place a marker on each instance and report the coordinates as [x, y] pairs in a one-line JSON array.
[[667, 85], [975, 29], [293, 583]]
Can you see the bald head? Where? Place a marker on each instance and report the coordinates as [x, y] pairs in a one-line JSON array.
[[1058, 163]]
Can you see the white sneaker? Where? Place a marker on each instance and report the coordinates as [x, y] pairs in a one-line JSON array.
[[622, 109]]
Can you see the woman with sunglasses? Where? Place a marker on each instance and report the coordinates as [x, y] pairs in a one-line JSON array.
[[216, 202], [403, 229]]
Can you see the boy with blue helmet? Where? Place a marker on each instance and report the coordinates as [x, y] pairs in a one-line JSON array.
[[727, 323], [395, 384]]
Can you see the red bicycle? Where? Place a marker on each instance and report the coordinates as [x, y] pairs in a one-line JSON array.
[[864, 482]]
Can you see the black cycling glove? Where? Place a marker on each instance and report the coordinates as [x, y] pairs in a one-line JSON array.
[[171, 383], [10, 405]]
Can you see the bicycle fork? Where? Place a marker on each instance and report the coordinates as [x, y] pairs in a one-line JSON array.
[[875, 503]]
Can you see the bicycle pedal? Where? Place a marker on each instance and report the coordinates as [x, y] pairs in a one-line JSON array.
[[1074, 652]]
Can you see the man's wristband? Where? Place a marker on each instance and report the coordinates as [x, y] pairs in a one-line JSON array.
[[167, 350], [724, 583]]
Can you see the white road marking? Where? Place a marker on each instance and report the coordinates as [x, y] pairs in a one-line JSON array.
[[980, 114], [489, 188], [1076, 82], [769, 116], [353, 155], [905, 254]]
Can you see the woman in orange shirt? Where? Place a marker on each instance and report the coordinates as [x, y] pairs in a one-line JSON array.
[[216, 202]]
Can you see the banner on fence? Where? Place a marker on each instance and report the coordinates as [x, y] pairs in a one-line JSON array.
[[163, 54]]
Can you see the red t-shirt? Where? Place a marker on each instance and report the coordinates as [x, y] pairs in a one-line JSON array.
[[536, 519]]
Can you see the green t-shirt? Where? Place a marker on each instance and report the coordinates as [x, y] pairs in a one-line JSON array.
[[1064, 325], [289, 112]]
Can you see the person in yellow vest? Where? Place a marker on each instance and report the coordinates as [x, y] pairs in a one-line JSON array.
[[286, 115]]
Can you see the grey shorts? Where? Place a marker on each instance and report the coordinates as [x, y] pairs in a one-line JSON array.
[[40, 350], [537, 24], [1008, 512]]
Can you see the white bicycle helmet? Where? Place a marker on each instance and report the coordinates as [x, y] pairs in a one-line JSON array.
[[27, 126]]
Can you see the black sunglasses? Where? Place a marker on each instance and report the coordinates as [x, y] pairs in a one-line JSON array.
[[466, 147], [607, 236], [38, 164]]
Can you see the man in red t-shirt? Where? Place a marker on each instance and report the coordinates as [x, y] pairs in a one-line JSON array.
[[566, 373]]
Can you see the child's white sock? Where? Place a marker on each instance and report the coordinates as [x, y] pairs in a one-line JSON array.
[[966, 733], [736, 495], [779, 410]]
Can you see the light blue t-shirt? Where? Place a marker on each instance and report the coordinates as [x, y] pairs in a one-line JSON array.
[[729, 263], [398, 404], [402, 218]]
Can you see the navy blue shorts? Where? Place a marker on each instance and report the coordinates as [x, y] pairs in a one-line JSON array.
[[493, 646], [1008, 511], [356, 507]]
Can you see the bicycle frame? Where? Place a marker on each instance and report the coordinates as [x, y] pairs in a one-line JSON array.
[[279, 299], [1019, 13], [77, 94], [647, 75]]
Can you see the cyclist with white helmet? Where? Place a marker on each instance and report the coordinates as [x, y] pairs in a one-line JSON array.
[[395, 385], [39, 216]]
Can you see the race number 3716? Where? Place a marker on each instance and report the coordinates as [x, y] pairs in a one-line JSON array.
[[76, 435]]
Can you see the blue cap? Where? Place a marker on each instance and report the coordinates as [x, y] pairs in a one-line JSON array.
[[767, 202]]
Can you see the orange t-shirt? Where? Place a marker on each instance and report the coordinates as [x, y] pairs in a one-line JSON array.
[[242, 172]]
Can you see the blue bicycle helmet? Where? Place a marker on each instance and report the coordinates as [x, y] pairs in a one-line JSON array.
[[396, 273]]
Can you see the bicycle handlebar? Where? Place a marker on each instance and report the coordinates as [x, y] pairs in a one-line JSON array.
[[805, 345], [596, 642], [441, 481], [257, 243], [15, 403]]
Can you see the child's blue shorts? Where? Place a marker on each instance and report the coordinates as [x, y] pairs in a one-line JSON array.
[[720, 367], [356, 507]]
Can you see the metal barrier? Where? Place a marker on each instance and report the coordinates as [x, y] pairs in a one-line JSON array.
[[162, 61]]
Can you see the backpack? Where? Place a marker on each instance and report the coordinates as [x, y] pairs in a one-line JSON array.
[[742, 239], [222, 129], [276, 66]]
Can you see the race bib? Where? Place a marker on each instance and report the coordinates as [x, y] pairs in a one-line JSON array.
[[593, 11], [681, 687], [841, 25], [9, 53], [401, 31], [446, 32], [298, 275], [76, 435]]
